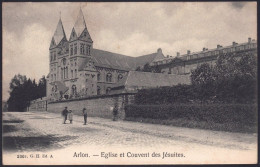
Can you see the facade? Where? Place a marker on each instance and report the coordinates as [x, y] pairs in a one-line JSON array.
[[78, 70], [183, 64]]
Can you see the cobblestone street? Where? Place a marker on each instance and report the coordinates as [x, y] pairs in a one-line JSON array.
[[44, 132]]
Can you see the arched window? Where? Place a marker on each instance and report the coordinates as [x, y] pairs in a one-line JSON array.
[[66, 72], [108, 90], [109, 77], [98, 90], [98, 76], [75, 73], [120, 76], [71, 49], [74, 89], [75, 48], [61, 73]]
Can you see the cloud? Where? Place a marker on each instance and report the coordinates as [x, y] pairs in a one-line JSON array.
[[128, 28], [238, 5]]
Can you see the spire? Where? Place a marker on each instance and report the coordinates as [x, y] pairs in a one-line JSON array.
[[59, 33], [80, 24]]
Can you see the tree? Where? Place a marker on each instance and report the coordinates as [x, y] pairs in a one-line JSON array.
[[22, 91], [18, 99], [148, 68], [233, 79]]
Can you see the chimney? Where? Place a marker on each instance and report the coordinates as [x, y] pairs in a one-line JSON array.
[[249, 40], [219, 46], [159, 50], [204, 49], [178, 54], [168, 56], [188, 51], [234, 43]]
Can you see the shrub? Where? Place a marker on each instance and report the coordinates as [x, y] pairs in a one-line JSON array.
[[215, 113]]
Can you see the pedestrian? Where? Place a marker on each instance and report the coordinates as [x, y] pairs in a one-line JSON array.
[[70, 116], [65, 114], [115, 112], [85, 114]]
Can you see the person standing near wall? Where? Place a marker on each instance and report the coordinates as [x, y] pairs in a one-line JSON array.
[[85, 114], [115, 112], [64, 114]]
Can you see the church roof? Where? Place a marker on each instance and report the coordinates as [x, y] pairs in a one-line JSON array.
[[80, 24], [59, 33], [107, 59], [152, 80]]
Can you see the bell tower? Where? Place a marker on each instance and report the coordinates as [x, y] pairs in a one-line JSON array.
[[80, 42]]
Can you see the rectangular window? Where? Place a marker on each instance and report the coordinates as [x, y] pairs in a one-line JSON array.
[[75, 73], [71, 73]]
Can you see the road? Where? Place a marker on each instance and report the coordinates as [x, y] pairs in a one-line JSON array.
[[30, 133]]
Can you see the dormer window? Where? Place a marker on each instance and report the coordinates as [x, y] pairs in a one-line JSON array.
[[85, 34]]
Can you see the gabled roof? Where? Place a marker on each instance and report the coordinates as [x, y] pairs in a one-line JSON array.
[[107, 59], [142, 60], [59, 33], [60, 86], [152, 80], [83, 64]]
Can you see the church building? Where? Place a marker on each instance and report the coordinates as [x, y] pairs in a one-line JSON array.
[[79, 70]]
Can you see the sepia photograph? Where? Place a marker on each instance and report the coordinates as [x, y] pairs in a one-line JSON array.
[[129, 83]]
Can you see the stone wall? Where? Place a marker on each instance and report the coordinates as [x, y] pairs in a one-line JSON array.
[[99, 106], [38, 105]]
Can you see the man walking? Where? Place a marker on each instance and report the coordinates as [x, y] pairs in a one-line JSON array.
[[85, 114], [65, 114]]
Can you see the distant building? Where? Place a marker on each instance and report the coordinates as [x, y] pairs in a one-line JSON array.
[[183, 64]]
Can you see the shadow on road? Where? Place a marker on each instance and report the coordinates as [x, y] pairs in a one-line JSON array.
[[34, 143]]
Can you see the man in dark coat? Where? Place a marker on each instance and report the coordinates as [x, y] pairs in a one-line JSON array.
[[85, 114], [65, 114], [115, 112]]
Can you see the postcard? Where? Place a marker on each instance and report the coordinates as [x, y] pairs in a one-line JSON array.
[[100, 83]]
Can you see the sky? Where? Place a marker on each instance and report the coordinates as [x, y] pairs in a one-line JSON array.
[[132, 29]]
